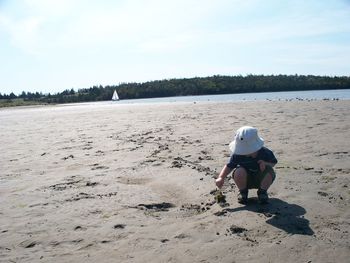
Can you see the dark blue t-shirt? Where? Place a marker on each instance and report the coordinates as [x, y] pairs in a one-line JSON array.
[[250, 163]]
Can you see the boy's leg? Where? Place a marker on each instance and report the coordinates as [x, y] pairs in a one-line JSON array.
[[240, 177], [266, 182]]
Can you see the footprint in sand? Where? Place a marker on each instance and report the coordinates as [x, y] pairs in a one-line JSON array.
[[68, 157], [182, 236], [100, 153], [156, 207], [324, 194], [91, 183], [236, 229], [80, 196], [194, 209], [28, 243], [80, 228], [119, 226], [65, 185], [96, 166]]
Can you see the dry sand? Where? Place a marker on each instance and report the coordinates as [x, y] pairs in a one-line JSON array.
[[134, 183]]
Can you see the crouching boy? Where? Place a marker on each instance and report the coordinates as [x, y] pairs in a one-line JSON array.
[[251, 164]]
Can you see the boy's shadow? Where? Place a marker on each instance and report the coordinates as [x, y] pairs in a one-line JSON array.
[[280, 214]]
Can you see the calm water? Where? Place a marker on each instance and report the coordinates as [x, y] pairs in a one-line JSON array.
[[294, 95], [290, 95]]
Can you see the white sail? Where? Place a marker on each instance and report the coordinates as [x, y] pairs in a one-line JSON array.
[[115, 96]]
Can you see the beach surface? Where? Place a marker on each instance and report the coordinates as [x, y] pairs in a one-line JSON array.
[[135, 183]]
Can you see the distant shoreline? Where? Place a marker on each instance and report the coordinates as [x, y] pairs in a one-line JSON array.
[[214, 85], [332, 94]]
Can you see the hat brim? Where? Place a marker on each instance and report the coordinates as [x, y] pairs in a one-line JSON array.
[[241, 149]]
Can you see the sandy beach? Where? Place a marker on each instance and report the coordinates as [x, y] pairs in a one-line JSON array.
[[135, 183]]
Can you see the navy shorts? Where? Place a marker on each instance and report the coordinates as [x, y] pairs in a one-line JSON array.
[[255, 178]]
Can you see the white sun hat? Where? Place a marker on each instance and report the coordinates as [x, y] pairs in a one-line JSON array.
[[246, 141]]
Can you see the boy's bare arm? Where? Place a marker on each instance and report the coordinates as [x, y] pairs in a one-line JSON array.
[[262, 164], [224, 172], [270, 164]]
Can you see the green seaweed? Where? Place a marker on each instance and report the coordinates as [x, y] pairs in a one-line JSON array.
[[220, 197]]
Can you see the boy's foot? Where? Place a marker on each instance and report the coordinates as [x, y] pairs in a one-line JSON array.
[[263, 197], [243, 196]]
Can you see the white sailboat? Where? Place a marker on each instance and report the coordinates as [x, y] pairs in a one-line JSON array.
[[115, 96]]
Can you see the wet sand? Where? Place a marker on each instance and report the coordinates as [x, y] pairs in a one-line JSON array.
[[134, 183]]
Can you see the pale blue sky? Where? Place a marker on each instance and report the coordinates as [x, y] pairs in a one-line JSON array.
[[50, 46]]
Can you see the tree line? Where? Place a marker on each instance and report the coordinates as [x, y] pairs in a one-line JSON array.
[[190, 86]]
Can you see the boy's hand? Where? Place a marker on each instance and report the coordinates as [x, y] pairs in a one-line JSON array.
[[262, 165], [219, 182]]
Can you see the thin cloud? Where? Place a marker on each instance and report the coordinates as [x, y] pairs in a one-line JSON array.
[[81, 43]]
